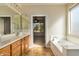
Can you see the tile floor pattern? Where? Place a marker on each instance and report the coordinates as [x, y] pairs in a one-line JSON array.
[[39, 40], [39, 51]]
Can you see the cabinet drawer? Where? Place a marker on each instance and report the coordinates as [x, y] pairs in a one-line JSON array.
[[16, 51], [5, 51], [17, 43]]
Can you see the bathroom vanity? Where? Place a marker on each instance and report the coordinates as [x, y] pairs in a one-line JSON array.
[[15, 47], [14, 36]]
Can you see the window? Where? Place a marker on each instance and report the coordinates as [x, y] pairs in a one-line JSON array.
[[74, 21]]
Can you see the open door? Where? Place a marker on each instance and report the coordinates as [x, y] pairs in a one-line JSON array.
[[39, 30]]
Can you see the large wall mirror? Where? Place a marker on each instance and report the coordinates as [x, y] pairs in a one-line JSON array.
[[12, 21], [9, 24], [25, 23], [12, 24], [20, 24], [15, 23]]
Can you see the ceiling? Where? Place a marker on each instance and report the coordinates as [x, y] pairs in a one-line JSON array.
[[22, 7], [27, 6]]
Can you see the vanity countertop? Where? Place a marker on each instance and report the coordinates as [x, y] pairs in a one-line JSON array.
[[8, 42]]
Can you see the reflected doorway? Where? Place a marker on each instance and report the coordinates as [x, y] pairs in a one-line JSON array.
[[39, 30], [5, 25]]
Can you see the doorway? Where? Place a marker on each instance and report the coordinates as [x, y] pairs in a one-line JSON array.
[[39, 30]]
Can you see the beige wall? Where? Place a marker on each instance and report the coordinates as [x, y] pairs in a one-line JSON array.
[[55, 18]]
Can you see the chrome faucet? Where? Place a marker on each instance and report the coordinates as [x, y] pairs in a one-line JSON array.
[[55, 37]]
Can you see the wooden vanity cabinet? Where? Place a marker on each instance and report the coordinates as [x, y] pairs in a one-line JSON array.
[[16, 48], [25, 44], [5, 51]]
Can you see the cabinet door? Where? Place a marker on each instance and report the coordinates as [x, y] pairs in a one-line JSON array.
[[26, 44], [23, 41], [16, 48], [16, 51], [5, 51], [15, 44]]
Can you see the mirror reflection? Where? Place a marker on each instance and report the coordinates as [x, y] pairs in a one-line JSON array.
[[12, 24], [5, 27]]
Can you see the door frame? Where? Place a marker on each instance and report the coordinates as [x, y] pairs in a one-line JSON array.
[[45, 29]]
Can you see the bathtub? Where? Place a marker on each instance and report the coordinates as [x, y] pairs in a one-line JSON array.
[[64, 48]]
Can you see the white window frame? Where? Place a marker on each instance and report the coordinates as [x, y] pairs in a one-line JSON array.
[[69, 19]]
